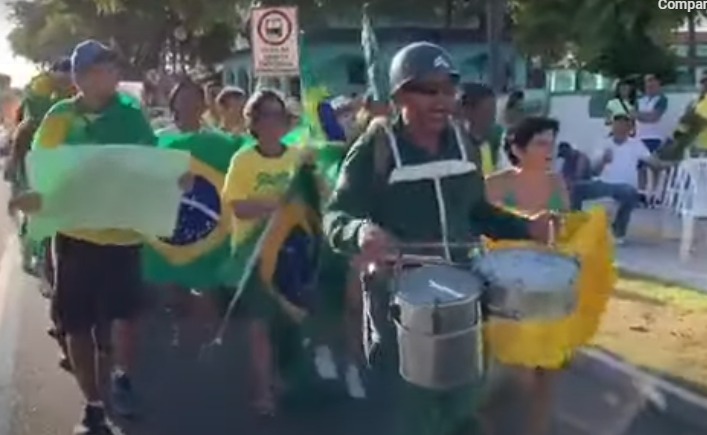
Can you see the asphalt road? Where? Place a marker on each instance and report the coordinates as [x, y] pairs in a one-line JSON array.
[[184, 396]]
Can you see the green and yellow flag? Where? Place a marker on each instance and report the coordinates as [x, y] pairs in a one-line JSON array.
[[275, 266], [377, 81], [195, 253]]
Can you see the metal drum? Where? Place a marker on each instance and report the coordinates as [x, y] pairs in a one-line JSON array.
[[437, 313], [529, 283]]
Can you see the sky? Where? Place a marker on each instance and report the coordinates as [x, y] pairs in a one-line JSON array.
[[19, 69]]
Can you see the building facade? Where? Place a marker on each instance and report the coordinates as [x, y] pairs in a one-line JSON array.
[[336, 57]]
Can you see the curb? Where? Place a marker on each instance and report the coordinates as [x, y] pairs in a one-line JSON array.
[[685, 405], [626, 272]]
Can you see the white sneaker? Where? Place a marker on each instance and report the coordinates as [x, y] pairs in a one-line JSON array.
[[324, 362], [354, 385]]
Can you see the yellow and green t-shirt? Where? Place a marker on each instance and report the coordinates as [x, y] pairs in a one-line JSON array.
[[252, 175], [120, 122]]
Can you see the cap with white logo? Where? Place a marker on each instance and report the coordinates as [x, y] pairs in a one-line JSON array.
[[419, 60]]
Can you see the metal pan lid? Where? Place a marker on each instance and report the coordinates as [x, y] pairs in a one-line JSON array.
[[428, 284]]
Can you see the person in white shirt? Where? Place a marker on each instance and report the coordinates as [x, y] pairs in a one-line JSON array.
[[617, 169], [650, 127]]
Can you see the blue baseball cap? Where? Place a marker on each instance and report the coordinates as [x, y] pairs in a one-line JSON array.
[[88, 54]]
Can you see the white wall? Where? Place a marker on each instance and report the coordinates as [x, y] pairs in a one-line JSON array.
[[583, 132]]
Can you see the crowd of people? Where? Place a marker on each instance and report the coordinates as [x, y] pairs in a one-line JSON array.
[[414, 171]]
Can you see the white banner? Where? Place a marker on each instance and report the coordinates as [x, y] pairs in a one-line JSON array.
[[107, 186]]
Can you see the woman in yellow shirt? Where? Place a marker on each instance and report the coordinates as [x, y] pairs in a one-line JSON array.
[[254, 187]]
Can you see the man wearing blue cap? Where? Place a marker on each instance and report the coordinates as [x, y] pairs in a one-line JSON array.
[[98, 275]]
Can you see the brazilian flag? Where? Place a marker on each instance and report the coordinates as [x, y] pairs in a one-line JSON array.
[[276, 263], [194, 254]]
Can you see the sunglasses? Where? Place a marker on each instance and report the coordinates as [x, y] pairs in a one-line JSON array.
[[430, 90]]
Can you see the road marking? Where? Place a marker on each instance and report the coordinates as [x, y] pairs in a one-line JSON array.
[[654, 381], [9, 329]]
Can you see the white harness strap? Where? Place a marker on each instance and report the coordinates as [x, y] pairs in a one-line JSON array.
[[433, 171]]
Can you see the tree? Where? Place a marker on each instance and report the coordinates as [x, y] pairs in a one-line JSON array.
[[143, 32], [613, 37]]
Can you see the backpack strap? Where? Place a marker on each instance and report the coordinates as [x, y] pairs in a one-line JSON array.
[[473, 151], [379, 130]]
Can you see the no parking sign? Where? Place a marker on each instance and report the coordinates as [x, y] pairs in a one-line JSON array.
[[275, 41]]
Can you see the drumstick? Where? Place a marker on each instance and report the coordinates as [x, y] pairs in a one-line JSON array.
[[424, 245]]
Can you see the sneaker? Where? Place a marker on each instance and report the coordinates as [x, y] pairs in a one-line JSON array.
[[94, 422], [354, 384], [123, 398], [324, 362]]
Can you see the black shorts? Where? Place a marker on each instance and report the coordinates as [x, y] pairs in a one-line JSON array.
[[94, 284]]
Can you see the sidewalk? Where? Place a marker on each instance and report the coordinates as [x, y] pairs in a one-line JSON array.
[[651, 254]]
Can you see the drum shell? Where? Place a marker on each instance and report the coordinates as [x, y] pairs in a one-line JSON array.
[[524, 289], [438, 319], [441, 362], [440, 338]]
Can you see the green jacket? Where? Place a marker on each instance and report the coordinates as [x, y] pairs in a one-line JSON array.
[[409, 210]]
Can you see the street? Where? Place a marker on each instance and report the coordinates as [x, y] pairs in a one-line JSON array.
[[184, 396]]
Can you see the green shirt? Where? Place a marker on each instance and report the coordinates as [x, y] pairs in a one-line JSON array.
[[408, 210], [120, 122]]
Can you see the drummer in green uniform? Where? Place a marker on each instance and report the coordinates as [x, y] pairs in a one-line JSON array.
[[414, 180]]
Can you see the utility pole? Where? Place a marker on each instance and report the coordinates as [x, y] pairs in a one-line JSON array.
[[495, 20], [692, 46]]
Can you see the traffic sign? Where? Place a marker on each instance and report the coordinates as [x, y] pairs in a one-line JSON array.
[[275, 41]]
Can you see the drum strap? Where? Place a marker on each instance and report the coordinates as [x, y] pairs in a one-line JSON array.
[[433, 171]]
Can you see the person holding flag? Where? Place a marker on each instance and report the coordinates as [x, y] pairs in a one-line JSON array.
[[370, 210], [188, 263], [257, 180]]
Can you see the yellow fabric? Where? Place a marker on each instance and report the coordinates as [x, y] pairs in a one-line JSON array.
[[313, 97], [53, 130], [254, 176], [487, 164], [42, 85], [550, 344], [701, 110], [52, 133]]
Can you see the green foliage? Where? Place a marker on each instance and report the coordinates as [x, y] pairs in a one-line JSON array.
[[632, 54], [139, 29], [614, 37]]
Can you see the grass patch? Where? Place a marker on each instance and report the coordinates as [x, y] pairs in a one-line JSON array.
[[662, 293], [660, 327]]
